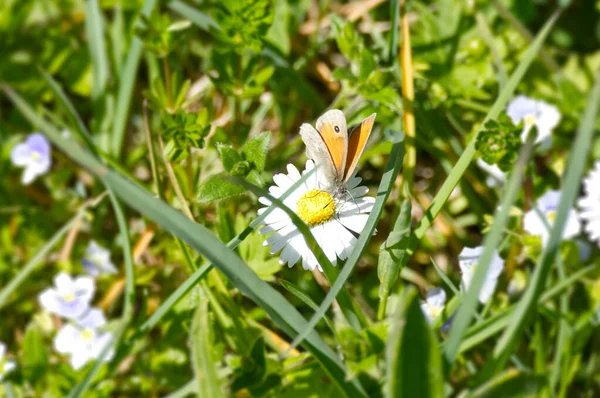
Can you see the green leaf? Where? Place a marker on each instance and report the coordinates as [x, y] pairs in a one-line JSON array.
[[127, 83], [217, 188], [229, 156], [290, 287], [256, 149], [414, 363], [34, 359], [203, 359], [94, 29]]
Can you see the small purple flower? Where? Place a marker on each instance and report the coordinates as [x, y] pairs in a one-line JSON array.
[[33, 155], [96, 260], [83, 344], [70, 298]]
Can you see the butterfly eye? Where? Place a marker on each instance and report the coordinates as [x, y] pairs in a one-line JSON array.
[[336, 129]]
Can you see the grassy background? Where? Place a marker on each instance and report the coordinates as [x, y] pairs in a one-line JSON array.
[[170, 100]]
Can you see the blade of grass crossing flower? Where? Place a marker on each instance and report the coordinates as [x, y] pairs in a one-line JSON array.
[[414, 363], [197, 276], [70, 108], [203, 361], [467, 156], [94, 29], [352, 313], [491, 241], [204, 242], [571, 181], [387, 183], [44, 250], [127, 81]]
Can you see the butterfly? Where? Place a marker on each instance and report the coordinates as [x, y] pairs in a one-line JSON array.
[[334, 148]]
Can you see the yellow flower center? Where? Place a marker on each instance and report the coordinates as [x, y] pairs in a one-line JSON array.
[[87, 334], [68, 297], [434, 311], [529, 120], [551, 216], [315, 207], [35, 155]]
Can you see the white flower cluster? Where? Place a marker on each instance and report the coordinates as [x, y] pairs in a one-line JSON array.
[[82, 337]]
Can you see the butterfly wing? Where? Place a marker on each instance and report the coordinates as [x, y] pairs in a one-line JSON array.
[[357, 140], [332, 128], [318, 152]]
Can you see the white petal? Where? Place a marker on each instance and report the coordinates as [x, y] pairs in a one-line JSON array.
[[50, 300], [293, 172], [64, 283], [93, 319], [20, 155], [28, 176], [2, 351], [436, 297], [520, 107], [354, 222], [66, 339], [84, 286]]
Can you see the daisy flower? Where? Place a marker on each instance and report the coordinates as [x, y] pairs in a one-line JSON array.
[[6, 365], [83, 341], [589, 204], [434, 303], [332, 221], [70, 297], [536, 222], [540, 114], [467, 261], [96, 260], [33, 155]]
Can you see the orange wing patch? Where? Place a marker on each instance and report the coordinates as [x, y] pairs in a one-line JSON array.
[[336, 145], [356, 144]]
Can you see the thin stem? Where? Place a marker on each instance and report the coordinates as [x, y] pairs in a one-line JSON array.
[[153, 164], [171, 173], [408, 95], [167, 73]]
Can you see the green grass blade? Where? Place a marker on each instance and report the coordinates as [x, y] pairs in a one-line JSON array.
[[492, 240], [186, 391], [204, 242], [467, 156], [199, 18], [203, 361], [414, 363], [571, 181], [94, 29], [81, 129], [512, 383], [290, 287], [127, 82], [44, 250], [385, 187]]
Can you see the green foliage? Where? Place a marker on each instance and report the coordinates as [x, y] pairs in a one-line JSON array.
[[35, 355], [248, 163], [499, 142], [414, 363], [183, 131], [160, 34], [203, 357], [244, 23]]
